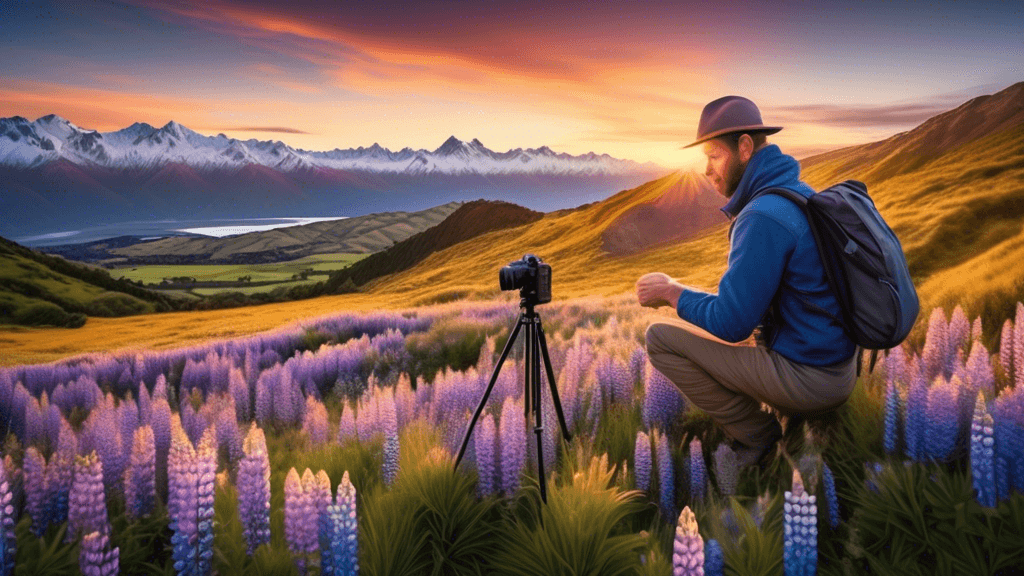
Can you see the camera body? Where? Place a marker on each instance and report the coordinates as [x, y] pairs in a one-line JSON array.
[[531, 276]]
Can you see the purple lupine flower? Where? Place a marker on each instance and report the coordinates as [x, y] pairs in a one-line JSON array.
[[294, 505], [95, 558], [512, 439], [982, 454], [1008, 419], [1006, 349], [698, 471], [366, 417], [687, 546], [666, 475], [726, 469], [61, 471], [140, 479], [239, 388], [1018, 347], [594, 409], [254, 490], [8, 540], [917, 403], [347, 425], [638, 364], [941, 427], [265, 397], [206, 478], [484, 441], [314, 424], [128, 416], [160, 388], [959, 333], [194, 423], [36, 492], [642, 461], [87, 506], [979, 369], [663, 402], [229, 440], [936, 345], [714, 561], [890, 439], [977, 333], [182, 498], [830, 496], [145, 406], [800, 530], [161, 423]]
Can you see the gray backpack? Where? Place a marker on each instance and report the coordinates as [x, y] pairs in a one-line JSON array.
[[864, 264]]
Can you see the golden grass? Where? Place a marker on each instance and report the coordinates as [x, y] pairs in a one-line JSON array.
[[958, 216]]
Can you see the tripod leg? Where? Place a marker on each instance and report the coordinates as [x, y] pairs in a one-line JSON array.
[[538, 422], [494, 378], [551, 381]]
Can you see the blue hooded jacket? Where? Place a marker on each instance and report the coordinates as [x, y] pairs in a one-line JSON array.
[[772, 247]]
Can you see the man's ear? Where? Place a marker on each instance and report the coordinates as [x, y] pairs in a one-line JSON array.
[[746, 148]]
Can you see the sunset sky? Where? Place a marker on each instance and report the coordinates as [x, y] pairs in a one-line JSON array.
[[624, 78]]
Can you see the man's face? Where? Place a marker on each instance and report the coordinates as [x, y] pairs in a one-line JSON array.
[[724, 167]]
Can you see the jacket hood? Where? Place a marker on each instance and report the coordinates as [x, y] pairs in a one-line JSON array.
[[768, 168]]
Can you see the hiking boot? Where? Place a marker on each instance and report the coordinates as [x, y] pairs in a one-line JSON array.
[[754, 455]]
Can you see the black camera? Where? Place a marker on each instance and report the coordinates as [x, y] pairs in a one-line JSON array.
[[531, 276]]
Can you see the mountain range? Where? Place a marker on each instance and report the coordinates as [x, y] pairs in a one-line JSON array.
[[56, 176]]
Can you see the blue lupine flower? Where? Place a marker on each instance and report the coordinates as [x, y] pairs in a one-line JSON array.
[[892, 415], [917, 402], [698, 471], [830, 496], [714, 561], [666, 476], [642, 461], [339, 535], [687, 546], [800, 531], [982, 454], [663, 402], [942, 419]]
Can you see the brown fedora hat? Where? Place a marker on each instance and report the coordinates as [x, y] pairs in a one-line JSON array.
[[730, 114]]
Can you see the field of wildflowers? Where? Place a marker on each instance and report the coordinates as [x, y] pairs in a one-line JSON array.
[[328, 448]]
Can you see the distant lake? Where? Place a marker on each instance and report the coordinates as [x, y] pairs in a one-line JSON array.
[[153, 229]]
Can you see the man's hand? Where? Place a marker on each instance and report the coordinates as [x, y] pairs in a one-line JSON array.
[[656, 289]]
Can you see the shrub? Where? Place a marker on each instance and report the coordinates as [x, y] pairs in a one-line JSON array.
[[47, 314]]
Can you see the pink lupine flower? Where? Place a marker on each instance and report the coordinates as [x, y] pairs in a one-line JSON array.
[[315, 424], [936, 345], [1006, 349]]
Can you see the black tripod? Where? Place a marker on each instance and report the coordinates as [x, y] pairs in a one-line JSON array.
[[536, 344]]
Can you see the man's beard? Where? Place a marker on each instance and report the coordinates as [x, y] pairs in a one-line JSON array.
[[733, 176]]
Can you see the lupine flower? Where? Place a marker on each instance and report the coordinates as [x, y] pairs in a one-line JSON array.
[[347, 426], [941, 429], [339, 533], [389, 425], [714, 561], [512, 439], [642, 461], [830, 496], [34, 473], [314, 424], [1008, 417], [239, 388], [61, 471], [484, 440], [666, 476], [959, 332], [726, 469], [663, 403], [687, 547], [228, 438], [982, 454], [892, 416], [140, 479], [95, 558], [638, 364], [8, 541], [254, 490], [936, 345], [87, 511], [295, 509], [917, 403], [1006, 349], [183, 500], [872, 470], [800, 530], [1018, 347], [976, 331], [698, 471], [979, 369]]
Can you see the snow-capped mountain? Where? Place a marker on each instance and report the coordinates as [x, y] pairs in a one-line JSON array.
[[51, 138]]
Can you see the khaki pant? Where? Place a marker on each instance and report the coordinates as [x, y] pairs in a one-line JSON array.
[[730, 381]]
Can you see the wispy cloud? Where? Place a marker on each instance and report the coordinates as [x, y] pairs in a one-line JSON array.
[[277, 129]]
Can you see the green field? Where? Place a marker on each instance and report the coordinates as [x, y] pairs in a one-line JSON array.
[[276, 271]]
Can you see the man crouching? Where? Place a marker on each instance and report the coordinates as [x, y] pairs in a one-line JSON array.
[[801, 361]]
